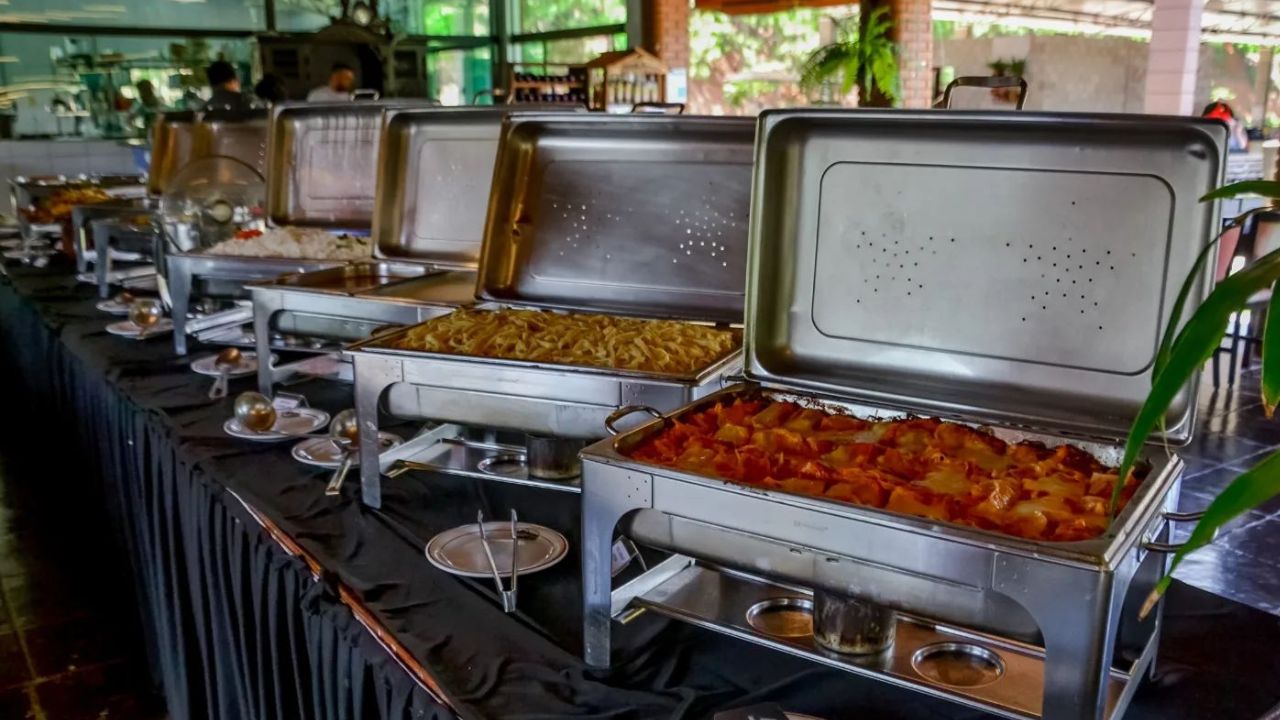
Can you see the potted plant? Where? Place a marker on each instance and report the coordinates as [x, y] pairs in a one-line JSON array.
[[1012, 67], [862, 56], [1184, 351]]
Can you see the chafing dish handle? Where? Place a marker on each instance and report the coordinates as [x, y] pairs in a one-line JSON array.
[[1173, 517], [624, 411]]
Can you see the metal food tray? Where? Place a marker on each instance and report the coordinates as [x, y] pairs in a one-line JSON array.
[[861, 224], [569, 155], [349, 303], [322, 163], [221, 276], [435, 166]]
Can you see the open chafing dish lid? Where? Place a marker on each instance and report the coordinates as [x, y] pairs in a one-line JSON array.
[[239, 134], [322, 163], [640, 215], [1014, 267], [435, 166]]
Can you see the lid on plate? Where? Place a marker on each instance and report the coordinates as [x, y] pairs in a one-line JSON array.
[[435, 166], [642, 215], [322, 163], [1014, 267]]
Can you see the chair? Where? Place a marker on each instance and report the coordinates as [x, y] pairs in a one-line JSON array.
[[1259, 235]]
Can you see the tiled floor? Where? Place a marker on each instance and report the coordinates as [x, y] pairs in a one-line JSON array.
[[69, 644], [1232, 435]]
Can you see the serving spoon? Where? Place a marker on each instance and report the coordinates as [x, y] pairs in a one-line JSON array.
[[224, 362]]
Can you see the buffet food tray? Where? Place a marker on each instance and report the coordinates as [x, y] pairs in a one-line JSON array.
[[322, 163], [619, 250], [875, 288], [348, 303]]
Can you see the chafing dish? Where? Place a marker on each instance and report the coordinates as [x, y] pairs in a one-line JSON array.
[[433, 174], [172, 146], [631, 215], [992, 269]]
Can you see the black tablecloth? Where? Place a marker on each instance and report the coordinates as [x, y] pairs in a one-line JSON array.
[[238, 628]]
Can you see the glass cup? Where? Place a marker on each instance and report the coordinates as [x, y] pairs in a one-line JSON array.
[[850, 626]]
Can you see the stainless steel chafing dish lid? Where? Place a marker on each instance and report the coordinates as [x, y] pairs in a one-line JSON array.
[[1014, 267], [239, 134], [434, 170], [640, 215], [322, 163]]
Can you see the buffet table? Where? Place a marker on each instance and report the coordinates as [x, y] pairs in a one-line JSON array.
[[263, 598]]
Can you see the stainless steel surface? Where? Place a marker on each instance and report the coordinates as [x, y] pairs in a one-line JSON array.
[[221, 275], [344, 432], [317, 304], [872, 274], [782, 617], [243, 138], [354, 278], [1078, 599], [508, 596], [172, 148], [720, 601], [322, 163], [460, 551], [642, 215], [455, 450], [224, 362], [851, 626], [435, 167], [958, 664]]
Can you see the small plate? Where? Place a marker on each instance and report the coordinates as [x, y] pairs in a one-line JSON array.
[[324, 453], [298, 421], [248, 365], [126, 328], [113, 307], [10, 243], [459, 551], [28, 253]]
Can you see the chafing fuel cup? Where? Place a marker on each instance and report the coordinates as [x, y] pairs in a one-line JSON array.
[[850, 626]]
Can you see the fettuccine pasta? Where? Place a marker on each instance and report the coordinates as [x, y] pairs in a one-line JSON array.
[[664, 346]]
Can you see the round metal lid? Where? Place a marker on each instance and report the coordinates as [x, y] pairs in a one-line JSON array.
[[460, 552]]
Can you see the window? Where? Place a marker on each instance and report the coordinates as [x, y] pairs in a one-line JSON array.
[[208, 15], [547, 15], [569, 51], [440, 17], [461, 77]]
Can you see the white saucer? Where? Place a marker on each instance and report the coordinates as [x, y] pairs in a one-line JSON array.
[[248, 365], [126, 328], [322, 452]]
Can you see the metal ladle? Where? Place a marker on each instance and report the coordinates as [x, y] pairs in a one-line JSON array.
[[345, 433], [224, 362]]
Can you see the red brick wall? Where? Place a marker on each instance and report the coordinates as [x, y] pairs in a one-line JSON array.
[[913, 31], [669, 27]]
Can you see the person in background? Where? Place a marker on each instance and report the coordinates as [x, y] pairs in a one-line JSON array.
[[226, 88], [1238, 140], [270, 89], [342, 82], [148, 105]]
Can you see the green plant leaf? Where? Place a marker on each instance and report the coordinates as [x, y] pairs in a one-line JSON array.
[[1195, 344], [825, 62], [1252, 488], [1265, 188], [1271, 354]]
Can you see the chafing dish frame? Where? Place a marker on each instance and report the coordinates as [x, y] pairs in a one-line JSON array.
[[1082, 597], [292, 293], [563, 401], [943, 571]]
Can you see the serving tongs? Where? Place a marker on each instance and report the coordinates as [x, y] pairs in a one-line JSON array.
[[508, 596]]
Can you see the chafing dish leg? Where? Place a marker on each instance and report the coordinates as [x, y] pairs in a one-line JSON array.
[[372, 375], [607, 495], [179, 281], [1079, 636], [264, 308], [102, 248]]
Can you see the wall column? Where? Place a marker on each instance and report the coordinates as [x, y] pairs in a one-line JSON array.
[[1173, 57], [913, 31], [666, 34]]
